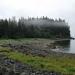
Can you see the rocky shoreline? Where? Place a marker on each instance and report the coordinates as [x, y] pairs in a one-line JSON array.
[[12, 67], [36, 50]]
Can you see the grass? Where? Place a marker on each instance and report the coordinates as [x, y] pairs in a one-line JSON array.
[[59, 64], [63, 64], [25, 41]]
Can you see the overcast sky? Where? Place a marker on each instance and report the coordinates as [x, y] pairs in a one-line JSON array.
[[64, 9]]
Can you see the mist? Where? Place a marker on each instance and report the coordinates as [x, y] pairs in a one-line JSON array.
[[52, 8]]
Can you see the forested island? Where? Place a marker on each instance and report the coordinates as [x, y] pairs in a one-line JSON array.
[[34, 28]]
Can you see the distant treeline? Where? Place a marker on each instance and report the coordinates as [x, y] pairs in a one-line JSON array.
[[24, 28]]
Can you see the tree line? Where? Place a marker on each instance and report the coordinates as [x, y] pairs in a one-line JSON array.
[[19, 29]]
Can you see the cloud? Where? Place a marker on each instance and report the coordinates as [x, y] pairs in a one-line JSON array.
[[36, 7]]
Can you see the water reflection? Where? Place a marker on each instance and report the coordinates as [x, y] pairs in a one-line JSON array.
[[64, 43], [62, 46]]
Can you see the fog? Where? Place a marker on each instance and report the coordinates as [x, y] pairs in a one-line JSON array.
[[33, 8]]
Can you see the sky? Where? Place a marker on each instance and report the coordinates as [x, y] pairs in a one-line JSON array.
[[64, 9]]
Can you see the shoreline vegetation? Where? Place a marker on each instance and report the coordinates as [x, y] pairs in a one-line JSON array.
[[36, 56]]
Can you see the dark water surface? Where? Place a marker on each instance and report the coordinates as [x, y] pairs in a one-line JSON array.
[[66, 46]]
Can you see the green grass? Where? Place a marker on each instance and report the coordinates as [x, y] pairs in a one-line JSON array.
[[25, 41], [63, 64], [58, 64]]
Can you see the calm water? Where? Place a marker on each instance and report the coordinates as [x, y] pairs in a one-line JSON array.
[[67, 46]]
